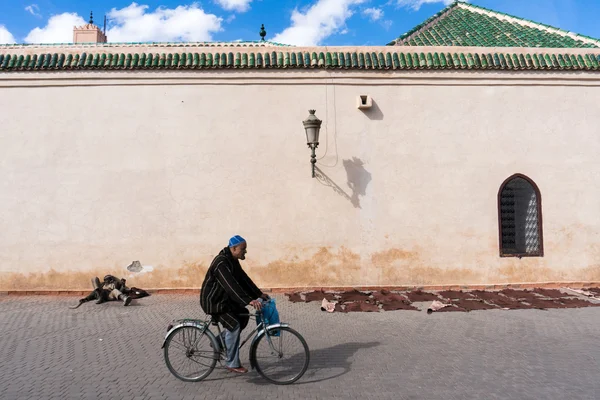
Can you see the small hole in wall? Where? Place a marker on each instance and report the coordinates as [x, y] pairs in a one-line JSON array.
[[363, 100]]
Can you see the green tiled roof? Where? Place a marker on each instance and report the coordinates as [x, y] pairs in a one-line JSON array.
[[463, 24], [383, 60]]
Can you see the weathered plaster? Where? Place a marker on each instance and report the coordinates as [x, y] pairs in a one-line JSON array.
[[94, 177], [326, 267]]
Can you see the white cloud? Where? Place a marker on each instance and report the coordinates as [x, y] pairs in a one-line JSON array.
[[33, 10], [387, 24], [234, 5], [5, 36], [320, 21], [416, 4], [184, 23], [373, 13], [58, 30]]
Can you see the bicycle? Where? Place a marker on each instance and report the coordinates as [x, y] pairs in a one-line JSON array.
[[194, 339]]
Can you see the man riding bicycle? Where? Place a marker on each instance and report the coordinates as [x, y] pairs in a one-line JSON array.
[[225, 293]]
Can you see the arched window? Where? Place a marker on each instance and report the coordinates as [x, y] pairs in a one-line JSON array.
[[520, 218]]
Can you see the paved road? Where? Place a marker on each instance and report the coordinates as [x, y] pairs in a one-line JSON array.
[[113, 352]]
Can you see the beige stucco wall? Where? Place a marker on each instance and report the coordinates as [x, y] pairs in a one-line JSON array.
[[111, 167]]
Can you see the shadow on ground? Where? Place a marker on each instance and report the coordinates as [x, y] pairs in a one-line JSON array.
[[329, 363]]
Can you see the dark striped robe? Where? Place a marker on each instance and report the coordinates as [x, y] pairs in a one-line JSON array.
[[227, 290]]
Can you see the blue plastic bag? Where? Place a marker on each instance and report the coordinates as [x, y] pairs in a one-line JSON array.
[[270, 314]]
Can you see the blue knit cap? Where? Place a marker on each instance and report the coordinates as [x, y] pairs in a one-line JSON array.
[[237, 239]]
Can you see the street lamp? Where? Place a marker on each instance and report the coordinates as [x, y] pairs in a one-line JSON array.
[[312, 125]]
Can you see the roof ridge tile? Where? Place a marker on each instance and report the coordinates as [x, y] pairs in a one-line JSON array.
[[415, 58]]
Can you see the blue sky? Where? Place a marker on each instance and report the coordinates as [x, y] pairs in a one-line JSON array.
[[298, 22]]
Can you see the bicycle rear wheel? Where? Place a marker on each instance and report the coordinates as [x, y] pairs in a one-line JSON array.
[[190, 354], [285, 359]]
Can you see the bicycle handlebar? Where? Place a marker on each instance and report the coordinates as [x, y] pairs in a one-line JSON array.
[[249, 314]]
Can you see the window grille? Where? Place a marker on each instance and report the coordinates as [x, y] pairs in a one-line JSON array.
[[520, 218]]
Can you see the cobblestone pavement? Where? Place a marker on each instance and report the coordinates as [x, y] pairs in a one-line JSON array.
[[110, 351]]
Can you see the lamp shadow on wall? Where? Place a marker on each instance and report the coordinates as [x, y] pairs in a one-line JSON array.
[[358, 179], [325, 180]]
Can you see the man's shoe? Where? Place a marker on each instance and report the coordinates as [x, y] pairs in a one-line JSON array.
[[238, 370], [126, 300]]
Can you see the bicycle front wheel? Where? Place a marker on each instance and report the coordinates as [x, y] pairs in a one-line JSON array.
[[281, 355], [190, 354]]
